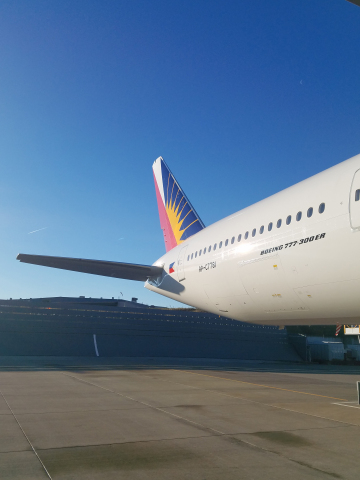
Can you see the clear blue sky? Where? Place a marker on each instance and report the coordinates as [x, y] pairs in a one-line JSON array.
[[241, 98]]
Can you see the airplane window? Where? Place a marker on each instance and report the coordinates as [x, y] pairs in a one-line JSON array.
[[192, 256], [220, 244], [270, 226], [357, 195], [226, 242], [278, 223], [204, 250], [215, 246], [261, 231], [195, 254], [239, 238], [322, 208], [246, 235], [310, 212], [254, 232], [232, 240], [288, 220], [298, 216], [209, 249], [199, 253], [188, 257]]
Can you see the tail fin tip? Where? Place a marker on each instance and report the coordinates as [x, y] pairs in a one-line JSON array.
[[178, 218]]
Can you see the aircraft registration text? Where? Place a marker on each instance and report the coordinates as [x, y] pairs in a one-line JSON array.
[[207, 266]]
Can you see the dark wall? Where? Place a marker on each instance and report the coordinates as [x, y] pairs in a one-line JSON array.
[[69, 331]]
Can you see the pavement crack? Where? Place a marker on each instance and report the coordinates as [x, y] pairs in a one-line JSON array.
[[238, 441], [27, 438], [179, 417]]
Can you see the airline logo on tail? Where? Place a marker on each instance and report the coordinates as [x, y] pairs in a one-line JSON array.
[[178, 218]]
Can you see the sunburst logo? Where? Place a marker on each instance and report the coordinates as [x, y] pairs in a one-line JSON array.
[[175, 205]]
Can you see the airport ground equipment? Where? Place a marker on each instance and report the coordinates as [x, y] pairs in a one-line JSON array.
[[326, 352]]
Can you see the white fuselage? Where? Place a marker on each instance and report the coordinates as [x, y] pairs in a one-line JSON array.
[[303, 272]]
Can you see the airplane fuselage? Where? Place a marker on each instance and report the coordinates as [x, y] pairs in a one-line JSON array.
[[270, 264]]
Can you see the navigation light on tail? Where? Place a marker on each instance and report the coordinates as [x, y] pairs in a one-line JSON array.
[[178, 218]]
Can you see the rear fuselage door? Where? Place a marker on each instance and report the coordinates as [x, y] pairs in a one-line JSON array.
[[181, 264], [354, 203]]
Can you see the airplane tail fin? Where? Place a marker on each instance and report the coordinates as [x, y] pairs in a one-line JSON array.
[[178, 218]]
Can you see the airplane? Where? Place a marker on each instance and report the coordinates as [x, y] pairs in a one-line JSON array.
[[355, 2], [290, 259]]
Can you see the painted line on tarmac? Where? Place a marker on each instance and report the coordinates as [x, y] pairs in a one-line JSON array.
[[259, 403], [260, 385], [343, 404]]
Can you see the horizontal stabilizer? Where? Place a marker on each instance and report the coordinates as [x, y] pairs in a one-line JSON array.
[[129, 271]]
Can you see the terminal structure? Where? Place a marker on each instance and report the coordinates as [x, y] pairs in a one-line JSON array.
[[110, 327]]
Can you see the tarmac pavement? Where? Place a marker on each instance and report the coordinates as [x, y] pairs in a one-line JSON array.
[[141, 418]]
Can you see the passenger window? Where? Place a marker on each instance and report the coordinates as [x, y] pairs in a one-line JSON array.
[[310, 212], [204, 250], [270, 226], [195, 254], [188, 257], [220, 244], [192, 256], [298, 216], [215, 246], [226, 242], [209, 249], [232, 240], [261, 231], [239, 238], [357, 195], [288, 220], [322, 208], [254, 232], [199, 253], [278, 223], [246, 235]]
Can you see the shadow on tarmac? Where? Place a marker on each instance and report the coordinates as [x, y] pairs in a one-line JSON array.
[[82, 364]]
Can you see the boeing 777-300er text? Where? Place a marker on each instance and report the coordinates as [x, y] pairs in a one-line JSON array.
[[291, 259]]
